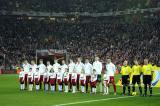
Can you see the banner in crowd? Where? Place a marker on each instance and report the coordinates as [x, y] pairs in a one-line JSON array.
[[49, 52]]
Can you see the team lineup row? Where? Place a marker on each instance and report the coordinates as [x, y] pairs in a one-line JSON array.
[[78, 76]]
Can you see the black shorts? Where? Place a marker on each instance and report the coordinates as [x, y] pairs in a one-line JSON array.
[[147, 79], [125, 80], [99, 78], [136, 79]]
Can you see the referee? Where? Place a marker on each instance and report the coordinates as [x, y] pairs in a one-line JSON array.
[[136, 72], [147, 76], [125, 72]]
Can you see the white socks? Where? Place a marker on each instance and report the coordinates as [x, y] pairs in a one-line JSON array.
[[82, 89], [37, 87], [60, 88], [94, 90], [105, 90], [22, 86], [46, 87], [66, 88], [74, 89], [52, 88], [30, 87]]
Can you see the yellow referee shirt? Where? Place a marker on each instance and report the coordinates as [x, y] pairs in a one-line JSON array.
[[136, 70], [147, 69], [126, 70]]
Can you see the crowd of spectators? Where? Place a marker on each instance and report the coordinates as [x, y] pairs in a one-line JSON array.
[[19, 39], [76, 5]]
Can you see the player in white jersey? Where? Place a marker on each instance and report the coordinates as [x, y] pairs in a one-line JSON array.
[[56, 65], [42, 69], [82, 81], [93, 81], [30, 79], [52, 79], [21, 79], [78, 67], [26, 67], [49, 66], [37, 79], [33, 66], [63, 66], [88, 71], [110, 71], [71, 67], [65, 80], [60, 79], [74, 81], [97, 65], [46, 80], [106, 84]]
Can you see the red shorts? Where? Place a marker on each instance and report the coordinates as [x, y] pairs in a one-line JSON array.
[[21, 80], [65, 81], [36, 81], [111, 79], [82, 82], [73, 82], [41, 78], [93, 84], [30, 81], [52, 81], [59, 81]]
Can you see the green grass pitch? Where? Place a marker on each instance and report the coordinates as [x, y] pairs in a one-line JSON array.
[[10, 95]]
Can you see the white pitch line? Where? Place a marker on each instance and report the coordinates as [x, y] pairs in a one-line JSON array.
[[88, 101]]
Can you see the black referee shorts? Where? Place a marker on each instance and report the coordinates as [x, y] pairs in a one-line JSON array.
[[125, 80], [136, 79], [147, 79]]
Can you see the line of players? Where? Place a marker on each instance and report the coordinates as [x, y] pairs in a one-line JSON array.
[[73, 77], [69, 77]]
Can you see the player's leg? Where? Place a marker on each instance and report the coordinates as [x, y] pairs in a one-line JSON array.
[[124, 84], [113, 83], [145, 84], [133, 83], [128, 84], [87, 81], [66, 86], [25, 80], [70, 83], [73, 86], [41, 81], [95, 87], [78, 81], [99, 82], [139, 84], [105, 87], [56, 83], [149, 84]]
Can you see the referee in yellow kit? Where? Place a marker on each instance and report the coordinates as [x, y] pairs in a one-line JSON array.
[[147, 76]]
